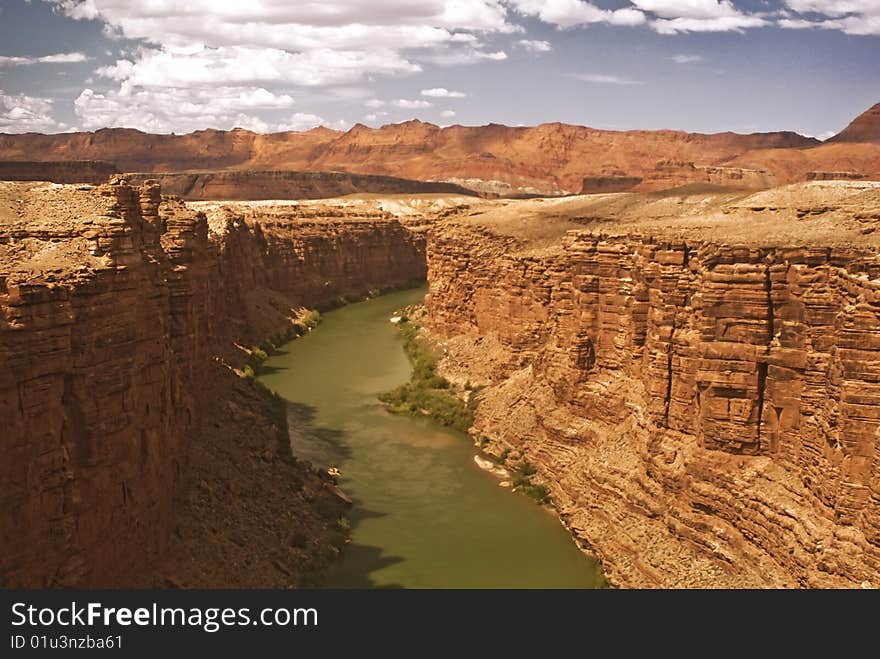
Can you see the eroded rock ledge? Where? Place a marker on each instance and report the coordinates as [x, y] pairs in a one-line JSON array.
[[124, 435], [702, 398]]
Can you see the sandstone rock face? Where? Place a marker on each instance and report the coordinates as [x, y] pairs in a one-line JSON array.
[[601, 184], [254, 185], [834, 176], [669, 173], [704, 413], [113, 302], [94, 172]]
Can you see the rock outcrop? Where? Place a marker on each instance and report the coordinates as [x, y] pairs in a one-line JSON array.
[[115, 303], [603, 184], [257, 185], [835, 176], [704, 406], [93, 172]]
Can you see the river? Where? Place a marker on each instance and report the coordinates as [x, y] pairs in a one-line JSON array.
[[424, 515]]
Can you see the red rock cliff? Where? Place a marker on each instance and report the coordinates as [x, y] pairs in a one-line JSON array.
[[705, 413], [113, 302]]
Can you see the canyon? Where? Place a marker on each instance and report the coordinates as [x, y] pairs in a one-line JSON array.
[[701, 402], [548, 159], [686, 354], [122, 316]]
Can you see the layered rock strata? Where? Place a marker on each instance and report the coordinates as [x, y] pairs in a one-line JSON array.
[[705, 412], [93, 172], [256, 185], [114, 304]]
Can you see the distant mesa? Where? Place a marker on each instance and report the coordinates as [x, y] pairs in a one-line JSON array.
[[549, 159]]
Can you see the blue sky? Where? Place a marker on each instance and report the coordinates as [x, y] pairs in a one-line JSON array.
[[266, 65]]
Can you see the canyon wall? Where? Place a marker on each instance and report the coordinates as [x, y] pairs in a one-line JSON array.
[[93, 172], [114, 305], [256, 185], [704, 413]]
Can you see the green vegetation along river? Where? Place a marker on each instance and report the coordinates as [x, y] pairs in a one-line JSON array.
[[424, 515]]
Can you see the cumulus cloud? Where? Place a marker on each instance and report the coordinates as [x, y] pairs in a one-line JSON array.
[[58, 58], [375, 103], [534, 46], [572, 13], [20, 113], [447, 114], [375, 116], [858, 17], [663, 16], [201, 65], [412, 105], [603, 79], [189, 47], [441, 92], [166, 110], [672, 16]]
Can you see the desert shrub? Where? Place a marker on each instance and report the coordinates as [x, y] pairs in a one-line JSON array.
[[522, 481], [426, 392], [309, 322], [539, 493], [256, 356]]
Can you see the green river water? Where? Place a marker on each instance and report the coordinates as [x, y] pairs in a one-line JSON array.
[[424, 514]]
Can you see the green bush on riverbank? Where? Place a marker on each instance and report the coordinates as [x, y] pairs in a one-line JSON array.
[[427, 393], [522, 480]]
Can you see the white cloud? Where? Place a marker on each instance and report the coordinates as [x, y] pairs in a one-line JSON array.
[[412, 105], [603, 79], [686, 59], [693, 9], [274, 44], [375, 116], [858, 17], [720, 24], [168, 110], [25, 114], [300, 121], [535, 46], [663, 16], [455, 57], [834, 7], [673, 16], [242, 65], [374, 103], [447, 114], [572, 13], [441, 92], [58, 58]]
